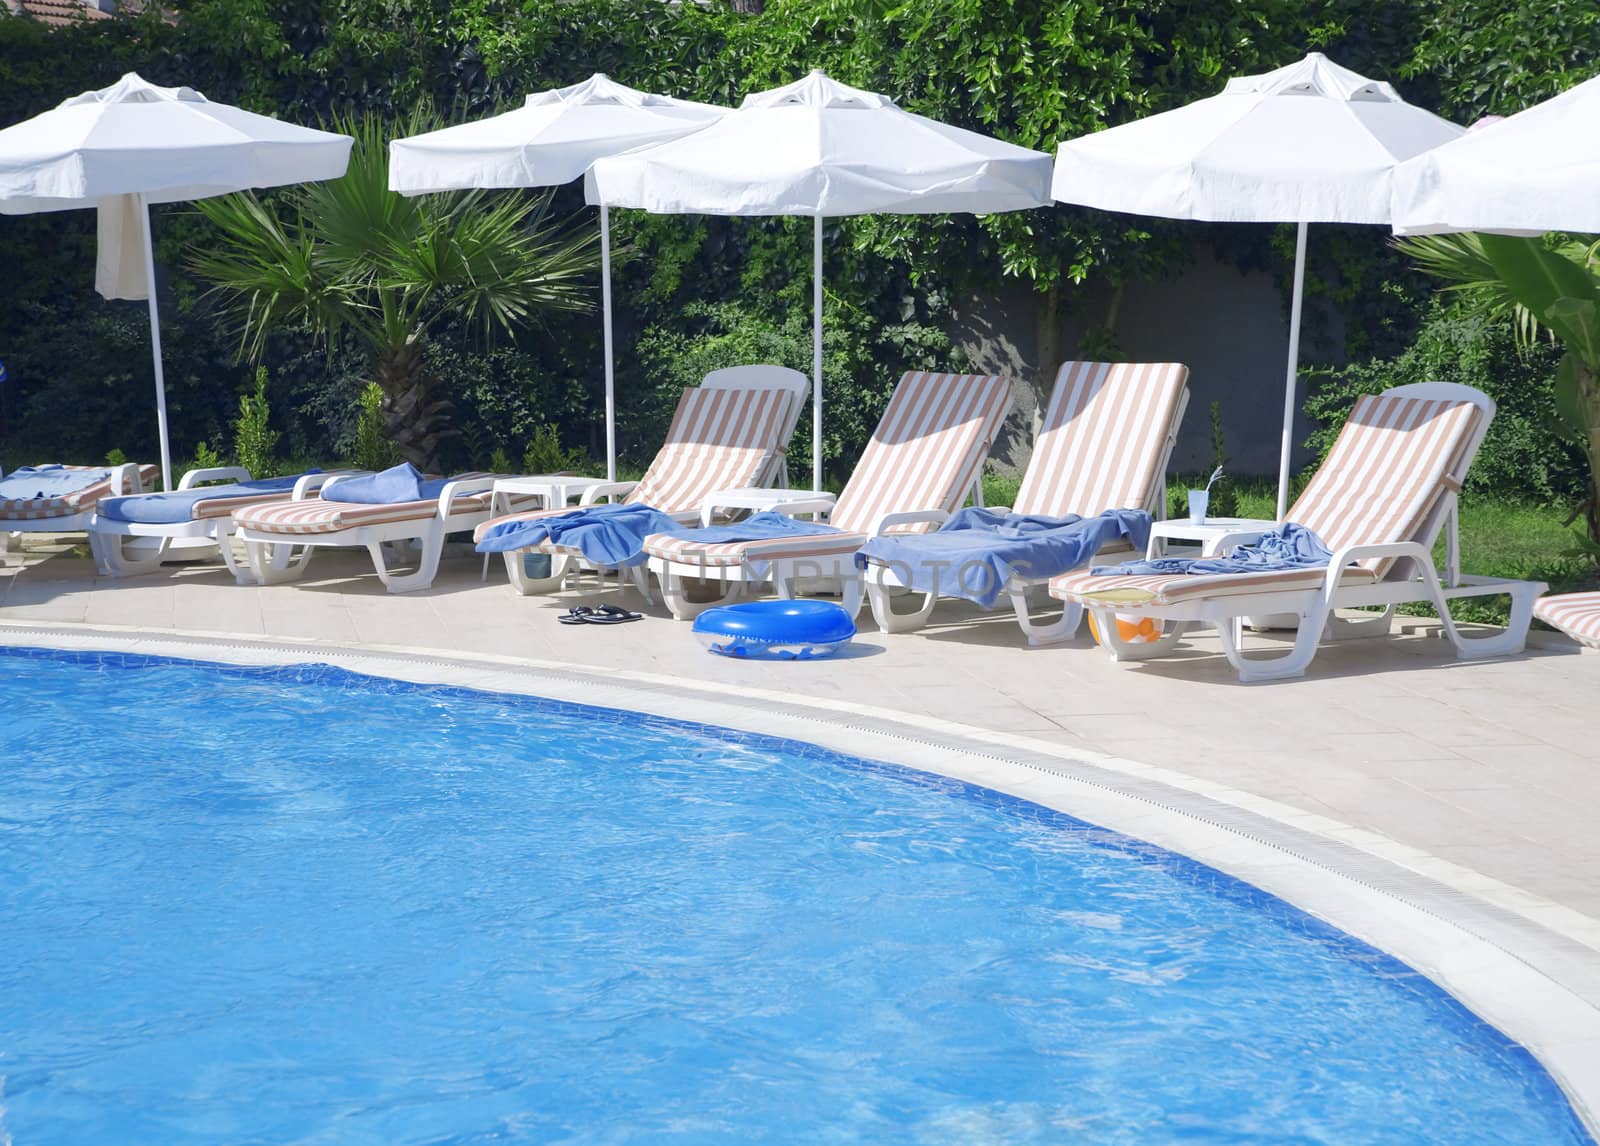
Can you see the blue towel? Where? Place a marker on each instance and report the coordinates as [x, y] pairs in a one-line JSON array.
[[764, 526], [1290, 546], [403, 482], [610, 535], [976, 552], [178, 505], [48, 481]]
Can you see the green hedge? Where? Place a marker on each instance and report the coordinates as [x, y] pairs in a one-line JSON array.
[[1521, 456]]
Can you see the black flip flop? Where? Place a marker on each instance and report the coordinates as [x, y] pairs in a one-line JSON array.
[[611, 615], [577, 615]]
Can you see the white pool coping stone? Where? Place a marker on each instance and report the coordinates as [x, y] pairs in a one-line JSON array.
[[1527, 965]]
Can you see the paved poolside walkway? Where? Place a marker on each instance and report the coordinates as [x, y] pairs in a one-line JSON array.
[[1494, 766]]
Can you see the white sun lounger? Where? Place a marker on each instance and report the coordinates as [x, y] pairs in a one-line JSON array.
[[926, 453], [210, 523], [71, 512], [1107, 435], [1575, 614], [731, 430], [1378, 501], [280, 538]]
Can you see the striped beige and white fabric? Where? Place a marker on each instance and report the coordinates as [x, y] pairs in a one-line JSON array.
[[1575, 614], [1102, 442], [226, 506], [1382, 482], [719, 439], [927, 450], [67, 504], [312, 516]]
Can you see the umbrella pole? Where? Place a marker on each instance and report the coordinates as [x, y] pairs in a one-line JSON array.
[[1289, 385], [605, 306], [155, 344], [816, 355]]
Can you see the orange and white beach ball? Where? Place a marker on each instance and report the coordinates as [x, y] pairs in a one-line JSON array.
[[1131, 629]]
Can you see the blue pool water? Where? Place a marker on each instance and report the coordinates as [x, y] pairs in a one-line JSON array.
[[296, 905]]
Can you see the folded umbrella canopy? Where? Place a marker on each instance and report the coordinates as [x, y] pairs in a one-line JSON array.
[[821, 148], [1533, 172], [1308, 143], [124, 147], [552, 139]]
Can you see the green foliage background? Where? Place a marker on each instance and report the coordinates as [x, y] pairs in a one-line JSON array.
[[697, 293]]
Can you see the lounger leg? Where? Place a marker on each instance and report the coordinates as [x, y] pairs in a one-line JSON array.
[[1294, 663], [528, 585], [1510, 641], [883, 610], [274, 562], [1063, 628], [640, 576], [241, 575], [111, 556], [852, 593], [1105, 621], [427, 564], [675, 590]]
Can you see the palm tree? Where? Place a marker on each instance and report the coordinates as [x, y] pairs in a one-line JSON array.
[[349, 259], [1548, 288]]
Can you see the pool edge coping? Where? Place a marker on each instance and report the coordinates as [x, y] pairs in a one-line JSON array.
[[1529, 966]]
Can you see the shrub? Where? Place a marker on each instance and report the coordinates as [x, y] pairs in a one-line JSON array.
[[205, 458], [1522, 457], [546, 455], [372, 450], [253, 438]]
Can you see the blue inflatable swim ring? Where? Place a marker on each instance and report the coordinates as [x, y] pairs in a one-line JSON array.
[[776, 630]]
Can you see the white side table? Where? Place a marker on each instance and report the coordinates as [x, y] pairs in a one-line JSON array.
[[1215, 535], [552, 490]]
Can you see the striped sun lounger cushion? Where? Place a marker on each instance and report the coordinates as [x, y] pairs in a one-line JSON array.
[[719, 439], [1101, 444], [1575, 614], [928, 448], [67, 504], [1380, 483], [314, 516], [223, 506], [1171, 588]]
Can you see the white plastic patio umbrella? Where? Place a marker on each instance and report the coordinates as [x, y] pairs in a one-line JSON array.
[[821, 148], [124, 147], [1535, 171], [550, 140], [1309, 143]]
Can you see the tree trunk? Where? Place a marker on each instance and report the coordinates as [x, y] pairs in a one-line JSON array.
[[411, 419], [1047, 343], [1589, 391]]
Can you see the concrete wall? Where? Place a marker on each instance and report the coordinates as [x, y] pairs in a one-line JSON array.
[[1230, 328]]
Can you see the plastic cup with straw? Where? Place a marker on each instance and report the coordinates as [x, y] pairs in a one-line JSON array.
[[1199, 499]]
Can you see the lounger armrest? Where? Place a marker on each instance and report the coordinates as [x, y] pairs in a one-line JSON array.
[[763, 500], [125, 479], [890, 521], [463, 488], [214, 473], [606, 489], [311, 483], [1350, 554]]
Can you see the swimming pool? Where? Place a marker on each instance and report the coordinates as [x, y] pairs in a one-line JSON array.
[[272, 905]]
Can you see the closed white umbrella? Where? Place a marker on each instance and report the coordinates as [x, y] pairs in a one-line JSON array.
[[821, 148], [132, 144], [552, 139], [1535, 171], [1309, 143]]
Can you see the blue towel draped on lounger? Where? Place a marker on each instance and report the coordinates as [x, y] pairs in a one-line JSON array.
[[979, 550], [1290, 546], [610, 535], [48, 481], [178, 505], [396, 484]]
